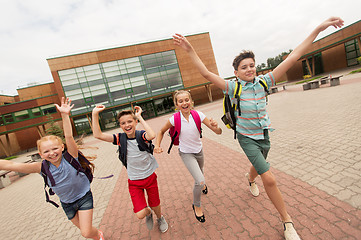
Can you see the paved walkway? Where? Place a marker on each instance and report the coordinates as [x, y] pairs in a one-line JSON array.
[[315, 157]]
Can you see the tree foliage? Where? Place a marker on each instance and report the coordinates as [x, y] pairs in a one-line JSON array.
[[273, 62], [54, 129]]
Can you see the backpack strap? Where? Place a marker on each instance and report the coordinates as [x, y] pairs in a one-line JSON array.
[[198, 121], [122, 147], [236, 95], [45, 173], [177, 128], [143, 143], [76, 164], [265, 86]]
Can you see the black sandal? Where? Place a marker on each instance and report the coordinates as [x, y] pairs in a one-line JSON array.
[[202, 218], [205, 191]]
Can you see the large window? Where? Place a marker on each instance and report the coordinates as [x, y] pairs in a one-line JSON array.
[[121, 81], [352, 52]]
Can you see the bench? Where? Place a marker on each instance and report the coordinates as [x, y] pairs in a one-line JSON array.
[[334, 81], [5, 179]]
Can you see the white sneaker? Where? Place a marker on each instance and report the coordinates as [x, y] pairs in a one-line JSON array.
[[149, 221], [162, 224], [290, 231], [252, 186]]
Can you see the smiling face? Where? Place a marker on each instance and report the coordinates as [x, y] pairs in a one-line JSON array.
[[183, 101], [128, 124], [51, 148], [246, 70]]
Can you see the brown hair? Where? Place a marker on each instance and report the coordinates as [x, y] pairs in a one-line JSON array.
[[84, 165], [243, 55], [126, 112], [178, 92]]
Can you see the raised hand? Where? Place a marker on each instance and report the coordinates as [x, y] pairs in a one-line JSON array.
[[138, 111], [98, 109], [181, 41], [337, 22], [65, 106]]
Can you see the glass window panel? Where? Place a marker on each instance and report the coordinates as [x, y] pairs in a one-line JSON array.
[[21, 115], [48, 109], [36, 111], [110, 64], [130, 60], [351, 54], [117, 88], [98, 92], [68, 77], [8, 118], [66, 72], [94, 67], [97, 87], [350, 48]]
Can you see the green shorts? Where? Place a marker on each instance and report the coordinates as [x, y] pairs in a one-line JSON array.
[[256, 151]]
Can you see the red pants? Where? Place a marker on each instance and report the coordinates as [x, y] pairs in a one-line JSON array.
[[136, 190]]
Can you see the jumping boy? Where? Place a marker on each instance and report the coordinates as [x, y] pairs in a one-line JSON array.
[[140, 164], [253, 124]]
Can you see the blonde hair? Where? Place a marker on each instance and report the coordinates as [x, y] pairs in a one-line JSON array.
[[48, 138], [54, 138], [178, 92]]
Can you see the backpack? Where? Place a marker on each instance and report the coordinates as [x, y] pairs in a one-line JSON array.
[[143, 145], [45, 172], [174, 131], [229, 108]]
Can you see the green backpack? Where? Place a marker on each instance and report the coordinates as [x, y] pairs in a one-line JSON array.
[[229, 118]]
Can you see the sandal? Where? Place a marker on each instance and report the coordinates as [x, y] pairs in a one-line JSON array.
[[205, 190], [202, 218]]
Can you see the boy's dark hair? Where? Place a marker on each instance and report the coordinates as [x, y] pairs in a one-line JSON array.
[[243, 55], [126, 112]]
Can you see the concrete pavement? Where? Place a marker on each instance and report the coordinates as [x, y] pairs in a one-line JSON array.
[[315, 156]]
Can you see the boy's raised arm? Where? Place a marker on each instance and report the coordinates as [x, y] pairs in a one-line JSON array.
[[64, 110], [181, 41], [301, 49], [97, 132], [150, 134]]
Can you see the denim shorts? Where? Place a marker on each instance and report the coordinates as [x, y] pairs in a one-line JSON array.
[[83, 203], [256, 151]]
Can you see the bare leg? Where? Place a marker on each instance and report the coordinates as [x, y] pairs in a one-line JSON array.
[[252, 174], [143, 213], [83, 220], [275, 195], [157, 211]]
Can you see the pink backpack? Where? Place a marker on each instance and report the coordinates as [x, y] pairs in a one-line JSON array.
[[175, 130]]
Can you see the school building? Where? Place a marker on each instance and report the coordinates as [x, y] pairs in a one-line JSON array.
[[144, 74]]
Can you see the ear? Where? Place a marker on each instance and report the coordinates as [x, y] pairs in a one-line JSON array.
[[62, 147], [236, 73]]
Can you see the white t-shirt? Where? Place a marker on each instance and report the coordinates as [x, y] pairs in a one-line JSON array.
[[189, 138]]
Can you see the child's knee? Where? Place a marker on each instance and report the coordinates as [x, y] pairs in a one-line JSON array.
[[142, 213]]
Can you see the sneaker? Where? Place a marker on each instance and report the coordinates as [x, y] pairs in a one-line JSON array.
[[162, 224], [252, 186], [149, 221], [290, 231], [101, 237]]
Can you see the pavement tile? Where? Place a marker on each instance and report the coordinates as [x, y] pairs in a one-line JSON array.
[[315, 163]]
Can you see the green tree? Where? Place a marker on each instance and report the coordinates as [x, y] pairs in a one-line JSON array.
[[54, 129]]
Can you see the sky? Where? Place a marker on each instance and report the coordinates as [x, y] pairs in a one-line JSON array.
[[33, 31]]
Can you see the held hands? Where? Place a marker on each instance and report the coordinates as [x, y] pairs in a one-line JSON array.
[[98, 109], [181, 41], [337, 22], [213, 123], [65, 106]]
